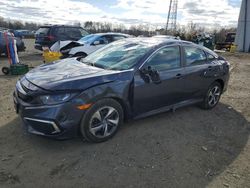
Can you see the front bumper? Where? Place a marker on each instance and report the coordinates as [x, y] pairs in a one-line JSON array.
[[58, 121]]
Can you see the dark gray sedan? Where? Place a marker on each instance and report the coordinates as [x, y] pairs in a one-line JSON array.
[[130, 78]]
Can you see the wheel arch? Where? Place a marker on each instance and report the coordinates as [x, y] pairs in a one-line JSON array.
[[126, 108], [83, 53], [221, 82]]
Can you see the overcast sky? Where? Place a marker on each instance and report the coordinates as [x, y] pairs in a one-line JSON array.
[[208, 12]]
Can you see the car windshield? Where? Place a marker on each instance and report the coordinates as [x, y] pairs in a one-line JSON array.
[[120, 55], [88, 38]]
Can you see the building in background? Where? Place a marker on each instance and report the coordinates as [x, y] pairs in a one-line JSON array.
[[243, 30]]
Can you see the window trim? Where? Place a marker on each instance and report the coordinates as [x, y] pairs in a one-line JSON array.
[[185, 59], [153, 53], [117, 35], [207, 54]]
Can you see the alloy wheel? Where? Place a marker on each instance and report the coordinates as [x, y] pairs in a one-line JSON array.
[[214, 96], [104, 122]]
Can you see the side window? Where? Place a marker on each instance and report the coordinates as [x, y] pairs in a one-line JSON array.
[[60, 32], [118, 37], [109, 38], [83, 32], [73, 32], [104, 39], [165, 59], [194, 56]]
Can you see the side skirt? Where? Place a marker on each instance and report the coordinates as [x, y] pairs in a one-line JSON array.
[[168, 108]]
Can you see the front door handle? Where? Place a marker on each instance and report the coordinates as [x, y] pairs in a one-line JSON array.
[[209, 68]]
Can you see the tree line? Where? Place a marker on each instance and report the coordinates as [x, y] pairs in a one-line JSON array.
[[184, 32]]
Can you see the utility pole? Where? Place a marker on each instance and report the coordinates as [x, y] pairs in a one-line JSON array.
[[172, 16], [242, 37]]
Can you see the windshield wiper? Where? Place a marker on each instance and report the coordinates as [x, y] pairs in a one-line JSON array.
[[92, 64], [87, 62]]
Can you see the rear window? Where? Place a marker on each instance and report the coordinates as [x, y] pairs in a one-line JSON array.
[[43, 30], [83, 32]]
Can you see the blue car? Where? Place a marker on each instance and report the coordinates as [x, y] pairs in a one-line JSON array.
[[3, 47]]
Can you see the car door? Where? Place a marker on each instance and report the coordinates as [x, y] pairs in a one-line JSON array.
[[199, 70], [151, 91]]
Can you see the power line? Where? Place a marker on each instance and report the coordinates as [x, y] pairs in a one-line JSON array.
[[172, 16]]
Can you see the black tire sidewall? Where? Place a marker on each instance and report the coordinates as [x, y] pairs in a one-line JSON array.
[[6, 70], [84, 126], [80, 54]]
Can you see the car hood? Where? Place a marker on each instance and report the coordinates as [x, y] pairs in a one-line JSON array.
[[69, 74], [64, 45]]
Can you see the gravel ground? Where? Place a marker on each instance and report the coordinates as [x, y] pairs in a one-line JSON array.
[[188, 148]]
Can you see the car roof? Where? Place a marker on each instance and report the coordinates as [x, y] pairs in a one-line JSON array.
[[160, 42], [154, 41], [110, 33], [59, 26]]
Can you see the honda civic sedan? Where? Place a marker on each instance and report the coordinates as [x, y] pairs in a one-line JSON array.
[[128, 79]]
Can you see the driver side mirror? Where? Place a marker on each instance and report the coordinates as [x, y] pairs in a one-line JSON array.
[[97, 42], [149, 73]]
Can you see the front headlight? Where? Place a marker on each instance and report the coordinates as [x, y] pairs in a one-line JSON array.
[[55, 99]]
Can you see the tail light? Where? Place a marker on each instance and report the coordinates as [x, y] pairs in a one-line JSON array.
[[50, 37]]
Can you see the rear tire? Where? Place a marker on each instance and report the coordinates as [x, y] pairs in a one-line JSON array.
[[212, 96], [102, 120]]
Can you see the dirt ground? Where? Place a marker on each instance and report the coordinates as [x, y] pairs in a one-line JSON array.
[[188, 148]]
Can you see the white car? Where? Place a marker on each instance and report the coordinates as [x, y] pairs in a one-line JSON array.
[[87, 44]]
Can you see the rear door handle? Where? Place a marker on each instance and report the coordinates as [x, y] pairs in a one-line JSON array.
[[178, 76], [209, 68]]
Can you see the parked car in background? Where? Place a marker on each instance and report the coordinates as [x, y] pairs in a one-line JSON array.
[[47, 35], [3, 47], [87, 44], [130, 78], [166, 37], [25, 33], [14, 32]]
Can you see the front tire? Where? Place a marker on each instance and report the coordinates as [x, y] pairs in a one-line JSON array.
[[80, 54], [212, 97], [102, 121]]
